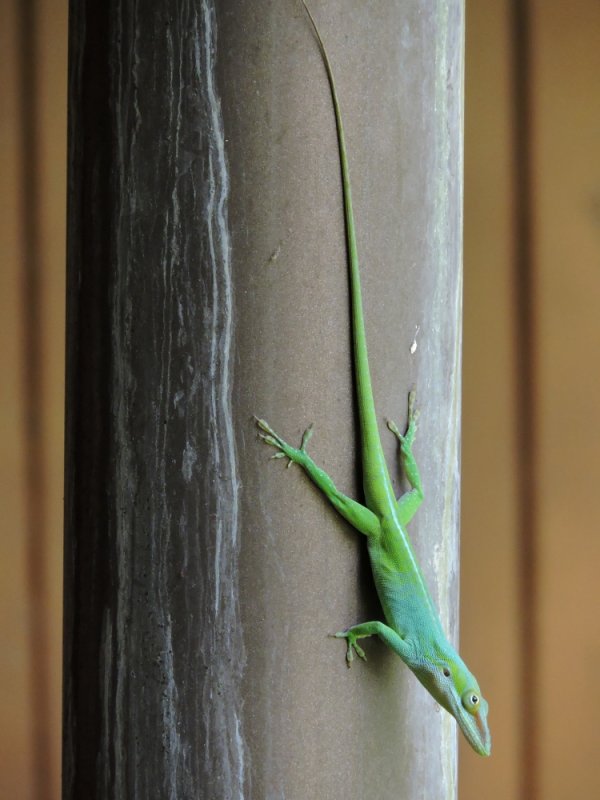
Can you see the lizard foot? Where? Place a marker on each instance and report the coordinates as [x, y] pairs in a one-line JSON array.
[[407, 439], [353, 646], [284, 450]]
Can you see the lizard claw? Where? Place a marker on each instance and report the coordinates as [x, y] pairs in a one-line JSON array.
[[394, 429], [306, 437], [413, 412]]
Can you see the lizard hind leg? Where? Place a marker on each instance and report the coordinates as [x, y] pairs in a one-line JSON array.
[[356, 514], [409, 502]]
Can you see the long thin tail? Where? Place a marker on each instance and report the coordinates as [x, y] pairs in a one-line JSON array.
[[371, 443]]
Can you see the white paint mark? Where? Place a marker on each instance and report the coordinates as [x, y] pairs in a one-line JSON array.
[[413, 347], [225, 749], [220, 261], [178, 403], [190, 456]]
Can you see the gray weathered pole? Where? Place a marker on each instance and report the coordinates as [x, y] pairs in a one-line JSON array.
[[207, 282]]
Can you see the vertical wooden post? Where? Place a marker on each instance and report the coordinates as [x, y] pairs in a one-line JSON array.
[[36, 496], [207, 282]]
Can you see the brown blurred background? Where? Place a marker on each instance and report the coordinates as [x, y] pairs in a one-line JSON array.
[[531, 447]]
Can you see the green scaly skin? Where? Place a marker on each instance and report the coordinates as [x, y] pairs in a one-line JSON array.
[[413, 628]]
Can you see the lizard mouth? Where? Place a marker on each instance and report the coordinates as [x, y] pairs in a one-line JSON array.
[[475, 728]]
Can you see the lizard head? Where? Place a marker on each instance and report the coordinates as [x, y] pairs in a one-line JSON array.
[[456, 689]]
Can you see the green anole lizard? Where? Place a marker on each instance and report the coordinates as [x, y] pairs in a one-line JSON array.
[[413, 628]]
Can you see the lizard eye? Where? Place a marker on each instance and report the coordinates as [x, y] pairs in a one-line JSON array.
[[470, 701]]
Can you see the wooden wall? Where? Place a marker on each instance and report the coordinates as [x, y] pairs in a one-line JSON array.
[[531, 454], [32, 237], [531, 447]]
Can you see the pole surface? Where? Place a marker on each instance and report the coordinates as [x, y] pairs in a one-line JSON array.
[[207, 282]]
